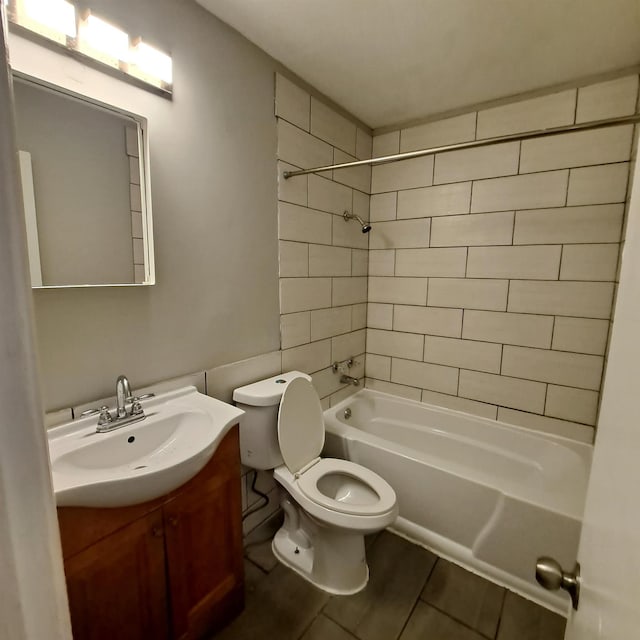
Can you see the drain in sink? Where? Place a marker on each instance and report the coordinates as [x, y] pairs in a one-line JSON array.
[[142, 466]]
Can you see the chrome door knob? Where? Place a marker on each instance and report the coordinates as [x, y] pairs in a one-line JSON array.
[[552, 577]]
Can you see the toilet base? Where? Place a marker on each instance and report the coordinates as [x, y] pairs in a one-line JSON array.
[[331, 559]]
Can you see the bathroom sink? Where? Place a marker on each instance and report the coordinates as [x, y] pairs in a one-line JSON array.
[[140, 461]]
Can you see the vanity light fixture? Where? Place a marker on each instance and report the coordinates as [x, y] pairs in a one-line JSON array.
[[102, 41], [53, 19], [150, 65], [85, 35]]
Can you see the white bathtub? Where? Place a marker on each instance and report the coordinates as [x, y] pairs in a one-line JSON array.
[[489, 496]]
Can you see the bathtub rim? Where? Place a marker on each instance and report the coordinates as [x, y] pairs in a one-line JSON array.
[[577, 445]]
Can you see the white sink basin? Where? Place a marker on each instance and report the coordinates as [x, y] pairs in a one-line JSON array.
[[141, 461]]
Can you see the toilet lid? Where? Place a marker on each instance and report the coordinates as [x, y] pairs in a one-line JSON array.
[[300, 425]]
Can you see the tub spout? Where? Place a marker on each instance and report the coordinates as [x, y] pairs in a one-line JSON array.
[[349, 380]]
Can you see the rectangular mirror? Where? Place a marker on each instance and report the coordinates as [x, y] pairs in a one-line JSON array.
[[85, 183]]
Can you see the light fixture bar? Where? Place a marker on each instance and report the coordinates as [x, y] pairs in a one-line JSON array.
[[91, 37]]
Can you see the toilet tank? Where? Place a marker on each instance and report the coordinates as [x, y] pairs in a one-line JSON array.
[[259, 448]]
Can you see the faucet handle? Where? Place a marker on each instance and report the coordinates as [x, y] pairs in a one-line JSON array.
[[105, 415], [144, 396], [136, 407]]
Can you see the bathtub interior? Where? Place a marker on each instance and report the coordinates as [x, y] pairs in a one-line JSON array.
[[487, 494], [539, 468]]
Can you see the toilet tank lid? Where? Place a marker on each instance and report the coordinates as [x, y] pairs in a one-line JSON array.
[[266, 393]]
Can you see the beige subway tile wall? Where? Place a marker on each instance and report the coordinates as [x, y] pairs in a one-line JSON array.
[[492, 270], [324, 260]]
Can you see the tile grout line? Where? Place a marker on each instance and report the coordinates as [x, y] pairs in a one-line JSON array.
[[502, 605], [433, 170], [546, 396], [418, 597], [351, 634], [462, 623], [513, 230], [560, 265]]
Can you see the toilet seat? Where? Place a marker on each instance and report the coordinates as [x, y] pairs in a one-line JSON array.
[[357, 522], [382, 500], [315, 482]]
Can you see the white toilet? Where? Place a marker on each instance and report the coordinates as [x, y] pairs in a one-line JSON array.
[[329, 504]]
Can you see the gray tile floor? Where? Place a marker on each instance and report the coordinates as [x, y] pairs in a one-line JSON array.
[[412, 595]]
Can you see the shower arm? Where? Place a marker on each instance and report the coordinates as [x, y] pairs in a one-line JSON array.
[[366, 227], [353, 216]]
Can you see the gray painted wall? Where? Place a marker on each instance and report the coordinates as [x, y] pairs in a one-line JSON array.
[[81, 185], [213, 175]]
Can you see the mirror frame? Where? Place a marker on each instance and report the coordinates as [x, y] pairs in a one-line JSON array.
[[145, 180]]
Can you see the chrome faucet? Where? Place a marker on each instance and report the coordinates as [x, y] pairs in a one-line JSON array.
[[342, 368], [110, 419], [123, 392]]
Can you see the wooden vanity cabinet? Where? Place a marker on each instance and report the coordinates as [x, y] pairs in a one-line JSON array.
[[203, 528], [169, 569], [117, 587]]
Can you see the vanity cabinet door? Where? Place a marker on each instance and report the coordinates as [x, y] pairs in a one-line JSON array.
[[117, 587], [203, 528]]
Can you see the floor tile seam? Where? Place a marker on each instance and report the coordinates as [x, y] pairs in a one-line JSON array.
[[304, 631], [503, 591], [360, 620], [351, 633], [406, 622], [419, 596], [460, 622], [340, 624], [257, 566], [504, 600], [429, 575], [311, 621]]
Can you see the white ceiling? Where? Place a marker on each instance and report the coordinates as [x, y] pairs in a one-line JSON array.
[[392, 61]]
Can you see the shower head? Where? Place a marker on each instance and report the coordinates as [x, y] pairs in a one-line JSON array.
[[366, 227]]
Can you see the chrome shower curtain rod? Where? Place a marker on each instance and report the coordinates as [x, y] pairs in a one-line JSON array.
[[540, 133]]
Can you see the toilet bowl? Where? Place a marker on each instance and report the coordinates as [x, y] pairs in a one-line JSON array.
[[329, 504]]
